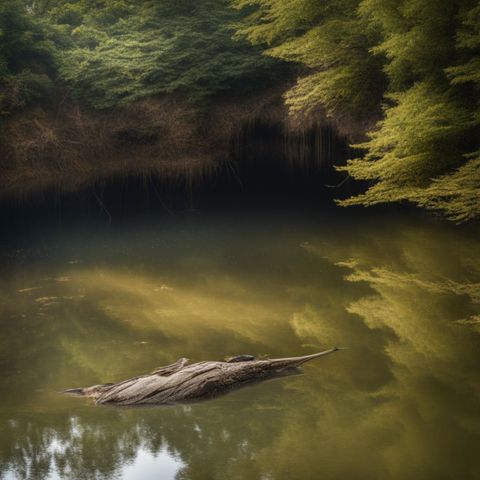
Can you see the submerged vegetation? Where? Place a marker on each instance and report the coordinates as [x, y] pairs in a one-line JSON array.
[[400, 79]]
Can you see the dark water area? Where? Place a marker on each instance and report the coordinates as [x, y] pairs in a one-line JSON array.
[[92, 294], [265, 169]]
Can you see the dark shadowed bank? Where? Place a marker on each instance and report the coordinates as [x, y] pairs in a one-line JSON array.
[[70, 147]]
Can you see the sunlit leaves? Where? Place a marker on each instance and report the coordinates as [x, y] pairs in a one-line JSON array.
[[418, 151], [344, 79], [457, 194], [420, 56]]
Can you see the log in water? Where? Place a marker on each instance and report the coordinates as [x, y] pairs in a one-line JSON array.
[[183, 382]]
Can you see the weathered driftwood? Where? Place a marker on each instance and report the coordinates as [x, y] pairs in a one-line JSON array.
[[181, 382]]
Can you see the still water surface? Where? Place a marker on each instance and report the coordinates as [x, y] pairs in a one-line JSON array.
[[82, 306]]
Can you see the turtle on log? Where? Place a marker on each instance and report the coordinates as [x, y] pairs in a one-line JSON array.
[[182, 382]]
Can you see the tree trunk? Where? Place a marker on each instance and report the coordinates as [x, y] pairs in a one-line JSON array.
[[181, 382]]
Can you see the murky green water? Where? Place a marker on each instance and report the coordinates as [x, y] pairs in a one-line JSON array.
[[80, 307]]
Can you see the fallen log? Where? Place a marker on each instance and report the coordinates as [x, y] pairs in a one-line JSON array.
[[182, 382]]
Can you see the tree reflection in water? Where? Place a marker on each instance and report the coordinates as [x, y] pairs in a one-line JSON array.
[[402, 402]]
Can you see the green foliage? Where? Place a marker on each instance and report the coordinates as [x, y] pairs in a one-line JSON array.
[[418, 38], [457, 194], [115, 52], [428, 51], [328, 37], [25, 57], [419, 138], [110, 52], [468, 43], [431, 122]]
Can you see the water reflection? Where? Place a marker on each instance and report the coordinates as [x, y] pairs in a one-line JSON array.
[[402, 402]]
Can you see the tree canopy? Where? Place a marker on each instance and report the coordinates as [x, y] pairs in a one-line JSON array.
[[420, 57], [111, 52], [26, 57], [119, 51], [402, 75]]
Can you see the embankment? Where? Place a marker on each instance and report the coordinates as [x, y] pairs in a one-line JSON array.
[[67, 147]]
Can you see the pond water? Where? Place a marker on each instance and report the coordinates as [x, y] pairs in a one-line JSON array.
[[81, 306]]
